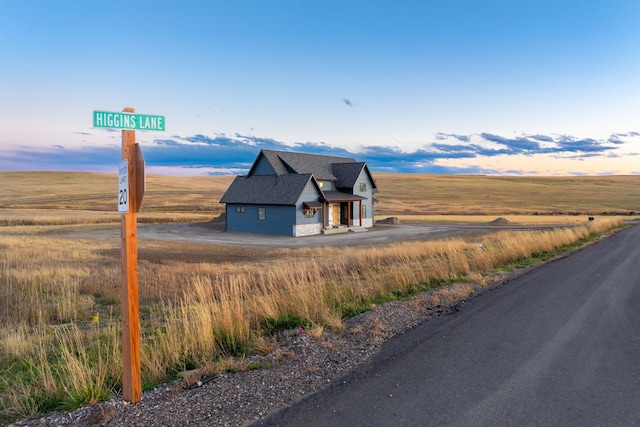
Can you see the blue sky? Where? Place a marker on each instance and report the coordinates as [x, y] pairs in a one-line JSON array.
[[527, 87]]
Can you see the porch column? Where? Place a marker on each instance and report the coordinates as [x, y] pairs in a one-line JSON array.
[[349, 213], [360, 216], [324, 215]]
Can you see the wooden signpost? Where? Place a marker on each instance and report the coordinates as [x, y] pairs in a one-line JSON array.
[[131, 186]]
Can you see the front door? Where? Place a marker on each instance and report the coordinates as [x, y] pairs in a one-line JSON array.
[[336, 215]]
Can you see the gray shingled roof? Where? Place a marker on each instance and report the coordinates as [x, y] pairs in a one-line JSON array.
[[347, 173], [286, 162], [293, 172], [266, 189]]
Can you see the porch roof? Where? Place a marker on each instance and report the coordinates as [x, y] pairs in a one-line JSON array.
[[339, 196]]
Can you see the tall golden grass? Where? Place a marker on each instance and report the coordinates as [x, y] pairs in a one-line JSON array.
[[195, 315]]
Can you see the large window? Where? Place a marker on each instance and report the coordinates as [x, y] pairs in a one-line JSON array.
[[363, 187], [262, 214]]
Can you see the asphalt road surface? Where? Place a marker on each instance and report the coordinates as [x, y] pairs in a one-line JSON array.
[[559, 346]]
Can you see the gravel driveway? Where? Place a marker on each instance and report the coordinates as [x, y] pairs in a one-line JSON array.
[[214, 233]]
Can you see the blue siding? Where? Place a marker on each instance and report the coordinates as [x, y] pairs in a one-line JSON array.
[[278, 219], [368, 193], [263, 167], [310, 194]]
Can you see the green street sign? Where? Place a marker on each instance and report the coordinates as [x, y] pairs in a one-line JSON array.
[[130, 121]]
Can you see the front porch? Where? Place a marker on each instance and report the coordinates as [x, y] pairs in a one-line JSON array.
[[341, 211]]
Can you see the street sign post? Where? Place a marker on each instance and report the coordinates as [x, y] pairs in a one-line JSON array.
[[131, 187], [131, 371]]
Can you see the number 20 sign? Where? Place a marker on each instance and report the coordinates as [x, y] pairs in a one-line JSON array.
[[123, 187]]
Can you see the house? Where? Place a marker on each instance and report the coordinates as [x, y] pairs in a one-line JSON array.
[[296, 194]]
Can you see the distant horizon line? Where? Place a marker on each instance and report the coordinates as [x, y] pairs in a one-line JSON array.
[[115, 174]]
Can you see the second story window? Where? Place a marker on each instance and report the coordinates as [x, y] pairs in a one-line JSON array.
[[363, 187]]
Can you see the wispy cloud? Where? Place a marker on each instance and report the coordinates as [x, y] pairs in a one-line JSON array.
[[531, 145], [225, 154], [441, 136], [543, 138], [584, 146], [515, 145]]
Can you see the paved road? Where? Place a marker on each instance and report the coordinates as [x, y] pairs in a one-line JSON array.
[[559, 346]]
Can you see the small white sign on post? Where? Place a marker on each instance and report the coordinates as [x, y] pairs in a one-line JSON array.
[[123, 186]]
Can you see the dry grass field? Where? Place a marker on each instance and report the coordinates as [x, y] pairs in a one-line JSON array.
[[59, 297], [95, 191], [400, 194]]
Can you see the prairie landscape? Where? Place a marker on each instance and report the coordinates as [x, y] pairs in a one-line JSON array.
[[59, 294]]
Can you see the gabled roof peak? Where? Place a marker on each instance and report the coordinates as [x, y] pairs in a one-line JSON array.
[[286, 162]]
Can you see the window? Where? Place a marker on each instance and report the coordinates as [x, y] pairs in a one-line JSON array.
[[262, 214], [363, 187], [309, 212], [325, 185], [364, 211], [240, 209]]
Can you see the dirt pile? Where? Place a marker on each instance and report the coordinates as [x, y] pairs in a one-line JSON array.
[[222, 218], [500, 221], [391, 220]]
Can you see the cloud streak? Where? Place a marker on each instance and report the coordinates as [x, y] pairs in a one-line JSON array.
[[225, 154]]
